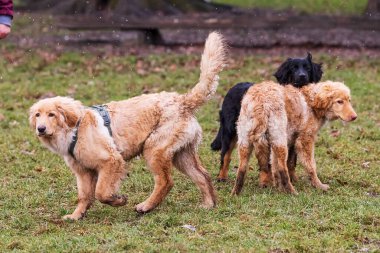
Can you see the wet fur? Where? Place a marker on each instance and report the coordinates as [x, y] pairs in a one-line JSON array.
[[275, 117], [161, 127], [226, 138]]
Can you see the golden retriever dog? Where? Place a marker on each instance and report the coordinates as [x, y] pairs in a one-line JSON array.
[[161, 127], [275, 117]]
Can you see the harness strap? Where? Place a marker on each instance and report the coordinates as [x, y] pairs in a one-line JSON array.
[[101, 109], [74, 140]]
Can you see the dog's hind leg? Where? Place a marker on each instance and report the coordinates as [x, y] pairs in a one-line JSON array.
[[292, 162], [262, 153], [110, 175], [86, 182], [280, 169], [228, 145], [187, 161], [244, 155], [160, 164]]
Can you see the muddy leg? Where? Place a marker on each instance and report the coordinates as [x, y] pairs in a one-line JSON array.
[[110, 175], [292, 162], [262, 153], [280, 155], [244, 155]]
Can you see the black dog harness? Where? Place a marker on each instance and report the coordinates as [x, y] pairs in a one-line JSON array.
[[102, 110]]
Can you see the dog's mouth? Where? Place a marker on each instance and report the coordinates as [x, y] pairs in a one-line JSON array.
[[44, 135], [345, 120]]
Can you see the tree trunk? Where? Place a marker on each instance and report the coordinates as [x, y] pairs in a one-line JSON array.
[[140, 8]]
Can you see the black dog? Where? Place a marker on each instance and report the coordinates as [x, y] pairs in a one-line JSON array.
[[297, 72]]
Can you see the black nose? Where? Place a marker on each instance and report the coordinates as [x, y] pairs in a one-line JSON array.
[[41, 129], [302, 76]]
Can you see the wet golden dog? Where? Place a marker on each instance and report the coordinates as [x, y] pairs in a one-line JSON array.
[[274, 117], [162, 127]]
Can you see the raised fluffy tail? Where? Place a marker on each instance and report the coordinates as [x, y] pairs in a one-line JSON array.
[[213, 61]]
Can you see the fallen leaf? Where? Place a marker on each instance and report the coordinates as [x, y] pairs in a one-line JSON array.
[[365, 165], [335, 133], [189, 227], [2, 117]]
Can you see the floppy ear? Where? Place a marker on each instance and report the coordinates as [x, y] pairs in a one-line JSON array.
[[32, 118], [323, 100], [70, 113], [283, 73], [316, 70]]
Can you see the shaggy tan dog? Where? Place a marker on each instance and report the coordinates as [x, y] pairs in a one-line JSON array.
[[274, 117], [162, 127]]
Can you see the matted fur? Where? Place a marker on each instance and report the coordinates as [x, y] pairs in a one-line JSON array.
[[275, 117], [295, 71], [162, 127]]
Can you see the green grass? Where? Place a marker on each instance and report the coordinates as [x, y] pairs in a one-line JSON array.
[[348, 7], [36, 188]]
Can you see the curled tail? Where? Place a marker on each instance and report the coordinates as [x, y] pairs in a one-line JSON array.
[[213, 61]]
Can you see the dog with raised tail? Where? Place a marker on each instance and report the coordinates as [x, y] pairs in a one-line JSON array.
[[96, 142]]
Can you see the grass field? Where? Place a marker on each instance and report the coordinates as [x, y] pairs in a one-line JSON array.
[[348, 7], [36, 188]]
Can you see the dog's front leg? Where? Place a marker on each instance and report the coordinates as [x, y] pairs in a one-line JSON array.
[[305, 152], [110, 175], [86, 182]]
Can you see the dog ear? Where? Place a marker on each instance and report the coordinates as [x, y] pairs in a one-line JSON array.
[[32, 117], [323, 99], [283, 73], [69, 112], [316, 70]]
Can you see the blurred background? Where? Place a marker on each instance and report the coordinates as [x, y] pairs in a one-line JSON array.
[[245, 23]]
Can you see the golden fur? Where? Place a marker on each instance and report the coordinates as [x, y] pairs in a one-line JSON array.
[[274, 117], [162, 127]]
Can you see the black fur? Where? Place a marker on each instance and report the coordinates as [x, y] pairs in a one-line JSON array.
[[295, 71], [299, 72]]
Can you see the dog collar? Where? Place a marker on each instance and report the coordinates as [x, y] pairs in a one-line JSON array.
[[101, 109]]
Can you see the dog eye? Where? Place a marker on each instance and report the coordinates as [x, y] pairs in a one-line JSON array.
[[37, 114], [340, 102], [51, 114]]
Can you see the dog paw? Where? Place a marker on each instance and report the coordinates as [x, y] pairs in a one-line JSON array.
[[121, 200], [221, 180], [293, 178], [265, 184], [208, 205], [235, 192], [323, 187], [292, 191], [143, 207], [73, 217]]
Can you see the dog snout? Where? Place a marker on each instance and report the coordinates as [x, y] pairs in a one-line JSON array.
[[354, 117], [302, 76], [41, 129]]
